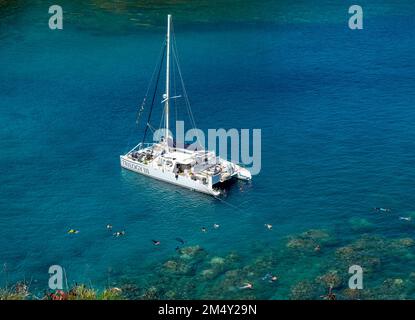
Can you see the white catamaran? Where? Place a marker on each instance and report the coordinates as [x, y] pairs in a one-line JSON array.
[[198, 170]]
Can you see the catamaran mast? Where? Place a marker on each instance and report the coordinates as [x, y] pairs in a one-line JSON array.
[[167, 98]]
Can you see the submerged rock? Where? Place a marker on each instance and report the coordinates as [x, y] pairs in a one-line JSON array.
[[234, 273], [392, 288], [177, 267], [217, 261], [330, 279], [298, 243], [151, 293], [209, 274], [304, 290], [191, 252], [402, 243], [315, 234], [309, 241], [345, 252], [171, 295], [360, 224], [352, 294], [232, 279], [366, 259], [370, 243], [131, 291], [193, 273], [232, 257]]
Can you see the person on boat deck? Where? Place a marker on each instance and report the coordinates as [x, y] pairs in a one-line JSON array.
[[179, 169]]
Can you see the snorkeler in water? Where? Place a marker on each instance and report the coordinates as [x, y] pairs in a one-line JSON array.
[[73, 231], [383, 209], [204, 229], [405, 218], [269, 226], [266, 277], [109, 227], [247, 286], [271, 278], [119, 233], [156, 242], [216, 226]]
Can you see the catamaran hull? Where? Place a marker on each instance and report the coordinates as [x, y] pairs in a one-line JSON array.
[[243, 174], [169, 177]]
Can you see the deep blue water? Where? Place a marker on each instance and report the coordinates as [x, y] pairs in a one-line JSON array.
[[336, 109]]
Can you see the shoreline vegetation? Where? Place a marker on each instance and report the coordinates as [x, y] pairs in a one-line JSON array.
[[312, 265], [20, 291]]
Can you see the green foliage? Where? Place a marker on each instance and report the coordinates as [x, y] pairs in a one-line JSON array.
[[77, 292], [6, 294], [81, 292], [20, 291], [111, 294]]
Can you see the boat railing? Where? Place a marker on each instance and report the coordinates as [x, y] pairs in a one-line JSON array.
[[140, 146]]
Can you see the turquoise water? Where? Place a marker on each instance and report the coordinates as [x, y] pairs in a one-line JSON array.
[[336, 111]]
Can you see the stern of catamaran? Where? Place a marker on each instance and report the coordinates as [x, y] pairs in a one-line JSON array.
[[243, 173], [225, 170]]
